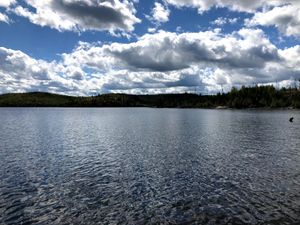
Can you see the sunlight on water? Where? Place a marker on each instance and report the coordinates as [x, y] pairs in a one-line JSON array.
[[149, 166]]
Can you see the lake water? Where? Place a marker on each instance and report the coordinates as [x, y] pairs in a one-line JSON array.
[[149, 166]]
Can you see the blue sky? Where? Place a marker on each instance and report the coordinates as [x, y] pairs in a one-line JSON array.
[[84, 47]]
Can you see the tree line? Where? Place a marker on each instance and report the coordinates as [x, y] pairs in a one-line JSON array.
[[245, 97]]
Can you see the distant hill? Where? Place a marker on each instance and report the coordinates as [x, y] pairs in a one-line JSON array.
[[35, 99], [246, 97]]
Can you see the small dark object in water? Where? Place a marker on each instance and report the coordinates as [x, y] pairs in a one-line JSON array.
[[292, 119]]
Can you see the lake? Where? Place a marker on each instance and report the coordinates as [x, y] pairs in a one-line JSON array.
[[149, 166]]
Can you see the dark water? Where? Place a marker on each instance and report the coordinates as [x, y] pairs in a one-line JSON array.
[[149, 166]]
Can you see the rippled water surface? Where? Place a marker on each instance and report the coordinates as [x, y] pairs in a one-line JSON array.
[[149, 166]]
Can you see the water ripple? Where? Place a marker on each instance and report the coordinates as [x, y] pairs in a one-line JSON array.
[[149, 166]]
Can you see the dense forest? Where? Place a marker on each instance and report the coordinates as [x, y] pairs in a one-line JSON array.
[[246, 97]]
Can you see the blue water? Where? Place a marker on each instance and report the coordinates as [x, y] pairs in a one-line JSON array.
[[149, 166]]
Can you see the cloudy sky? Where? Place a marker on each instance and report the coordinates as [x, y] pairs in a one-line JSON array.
[[84, 47]]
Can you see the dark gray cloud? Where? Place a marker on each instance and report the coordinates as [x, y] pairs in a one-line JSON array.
[[254, 57], [92, 16], [154, 59], [81, 15], [187, 80], [124, 82]]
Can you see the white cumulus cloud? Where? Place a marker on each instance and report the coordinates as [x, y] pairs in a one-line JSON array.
[[283, 14], [160, 13], [156, 63], [286, 18], [220, 21], [4, 18], [237, 5], [7, 3]]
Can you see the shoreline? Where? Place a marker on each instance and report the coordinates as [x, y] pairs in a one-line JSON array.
[[149, 107], [265, 97]]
